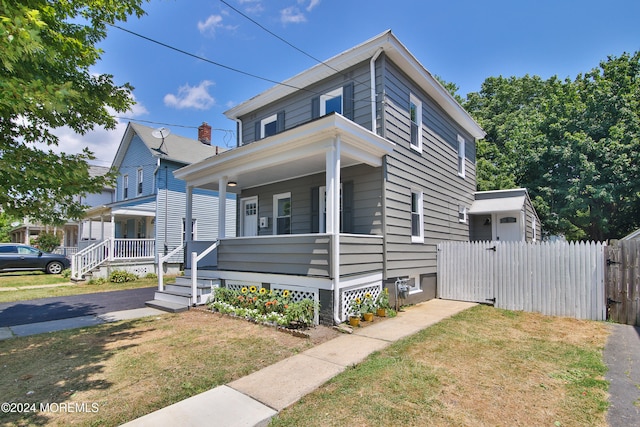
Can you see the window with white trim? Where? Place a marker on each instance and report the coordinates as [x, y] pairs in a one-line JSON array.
[[331, 102], [415, 114], [461, 156], [282, 213], [140, 176], [194, 234], [268, 126], [417, 228], [125, 187], [322, 227], [462, 214], [534, 225]]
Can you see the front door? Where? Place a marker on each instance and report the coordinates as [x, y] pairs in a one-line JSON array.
[[249, 209], [508, 227]]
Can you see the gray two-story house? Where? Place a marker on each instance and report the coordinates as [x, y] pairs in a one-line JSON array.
[[347, 177]]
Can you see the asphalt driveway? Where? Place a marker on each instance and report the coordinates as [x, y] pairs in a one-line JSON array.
[[57, 308]]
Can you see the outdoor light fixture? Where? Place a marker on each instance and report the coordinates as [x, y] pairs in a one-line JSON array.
[[232, 183]]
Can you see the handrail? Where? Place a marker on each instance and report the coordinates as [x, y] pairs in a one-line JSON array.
[[194, 269], [161, 262], [89, 258]]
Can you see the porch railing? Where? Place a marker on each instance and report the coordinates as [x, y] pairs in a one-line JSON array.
[[98, 253]]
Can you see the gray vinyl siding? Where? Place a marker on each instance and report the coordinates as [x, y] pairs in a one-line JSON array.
[[434, 172], [297, 106], [367, 213], [302, 255]]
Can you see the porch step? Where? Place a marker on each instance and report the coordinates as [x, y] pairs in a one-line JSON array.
[[170, 307]]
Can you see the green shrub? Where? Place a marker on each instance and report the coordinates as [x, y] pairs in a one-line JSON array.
[[66, 273], [47, 242], [151, 276], [121, 276]]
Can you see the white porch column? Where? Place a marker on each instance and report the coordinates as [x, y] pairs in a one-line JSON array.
[[333, 218], [222, 207], [188, 216]]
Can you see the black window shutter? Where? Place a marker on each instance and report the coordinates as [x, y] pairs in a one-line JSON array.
[[348, 101], [280, 122], [347, 207], [315, 209], [258, 131], [315, 107]]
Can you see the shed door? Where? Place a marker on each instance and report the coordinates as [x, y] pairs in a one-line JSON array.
[[508, 227]]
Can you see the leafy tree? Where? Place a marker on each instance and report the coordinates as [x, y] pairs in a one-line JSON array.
[[45, 83], [47, 241], [574, 144], [5, 227]]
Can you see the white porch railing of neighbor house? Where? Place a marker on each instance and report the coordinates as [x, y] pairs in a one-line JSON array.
[[161, 261], [110, 250]]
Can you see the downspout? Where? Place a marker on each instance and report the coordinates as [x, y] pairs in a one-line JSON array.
[[239, 124], [372, 70]]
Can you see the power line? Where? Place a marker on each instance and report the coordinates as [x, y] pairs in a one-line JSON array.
[[227, 67]]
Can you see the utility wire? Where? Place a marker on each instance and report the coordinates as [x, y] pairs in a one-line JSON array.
[[184, 52]]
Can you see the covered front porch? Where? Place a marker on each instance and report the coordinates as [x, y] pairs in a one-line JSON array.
[[115, 238], [283, 250]]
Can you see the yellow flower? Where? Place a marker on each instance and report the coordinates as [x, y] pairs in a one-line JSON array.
[[252, 289], [244, 290], [285, 293], [367, 295], [358, 300], [263, 291]]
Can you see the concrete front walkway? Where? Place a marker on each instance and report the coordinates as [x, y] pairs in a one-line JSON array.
[[253, 400]]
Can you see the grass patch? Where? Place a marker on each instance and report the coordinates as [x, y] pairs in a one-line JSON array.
[[133, 368], [32, 278], [484, 366], [79, 288]]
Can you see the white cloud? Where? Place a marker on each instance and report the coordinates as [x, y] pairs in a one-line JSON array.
[[292, 15], [312, 4], [212, 24], [196, 97], [252, 6], [101, 142]]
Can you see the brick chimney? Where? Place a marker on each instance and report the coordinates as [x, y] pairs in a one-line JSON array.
[[204, 133]]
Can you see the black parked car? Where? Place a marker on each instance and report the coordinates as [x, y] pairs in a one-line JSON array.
[[17, 257]]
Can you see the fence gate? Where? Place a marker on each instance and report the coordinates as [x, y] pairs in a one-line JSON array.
[[558, 279], [623, 282]]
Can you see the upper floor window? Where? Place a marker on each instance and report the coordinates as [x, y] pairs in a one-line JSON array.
[[340, 100], [140, 176], [125, 187], [268, 126], [417, 230], [461, 156], [415, 113], [331, 102]]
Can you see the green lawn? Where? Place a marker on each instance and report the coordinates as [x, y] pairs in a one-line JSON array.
[[28, 286]]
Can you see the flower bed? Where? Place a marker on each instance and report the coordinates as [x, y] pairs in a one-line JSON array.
[[262, 305]]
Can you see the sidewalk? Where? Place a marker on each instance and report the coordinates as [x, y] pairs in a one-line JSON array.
[[253, 400]]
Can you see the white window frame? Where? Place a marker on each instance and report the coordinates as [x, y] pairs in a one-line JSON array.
[[420, 202], [125, 187], [194, 229], [461, 157], [328, 96], [276, 198], [140, 177], [463, 216], [413, 100], [534, 223], [266, 121]]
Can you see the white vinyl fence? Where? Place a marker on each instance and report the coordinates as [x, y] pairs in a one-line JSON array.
[[552, 278]]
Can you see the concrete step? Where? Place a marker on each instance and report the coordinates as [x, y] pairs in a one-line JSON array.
[[186, 289], [175, 297], [170, 307]]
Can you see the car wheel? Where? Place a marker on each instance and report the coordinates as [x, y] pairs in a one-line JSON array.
[[55, 267]]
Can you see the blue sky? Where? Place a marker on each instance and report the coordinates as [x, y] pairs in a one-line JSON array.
[[462, 41]]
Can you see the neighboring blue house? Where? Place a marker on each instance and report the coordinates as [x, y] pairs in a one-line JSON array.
[[146, 220]]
